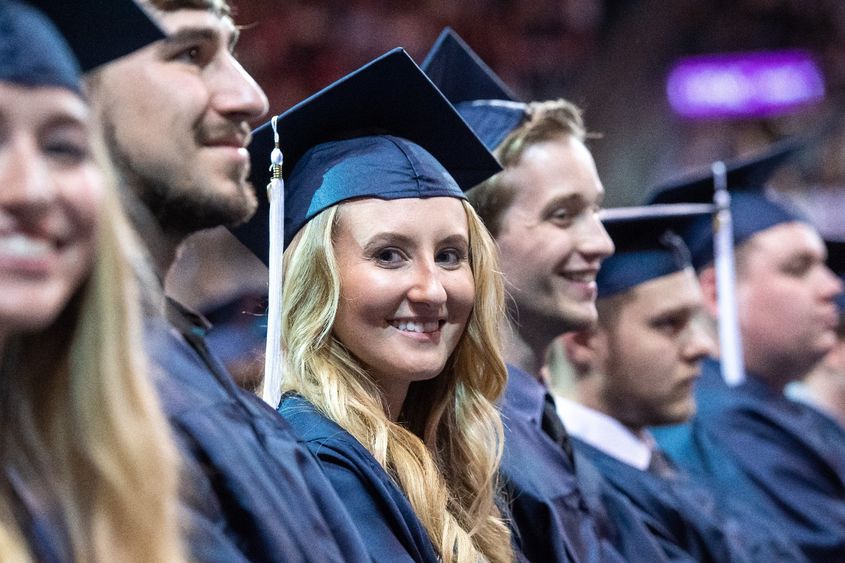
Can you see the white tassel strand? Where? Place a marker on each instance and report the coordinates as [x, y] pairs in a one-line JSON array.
[[274, 356]]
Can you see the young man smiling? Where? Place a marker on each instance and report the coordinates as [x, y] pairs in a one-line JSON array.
[[543, 211], [176, 118]]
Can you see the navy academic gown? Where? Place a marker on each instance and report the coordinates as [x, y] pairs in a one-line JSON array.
[[380, 509], [39, 519], [691, 514], [254, 491], [558, 516], [752, 444]]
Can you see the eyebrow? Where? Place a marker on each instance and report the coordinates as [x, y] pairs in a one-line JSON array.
[[189, 34], [566, 201], [398, 238]]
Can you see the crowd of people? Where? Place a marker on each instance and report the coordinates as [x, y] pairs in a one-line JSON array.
[[467, 357]]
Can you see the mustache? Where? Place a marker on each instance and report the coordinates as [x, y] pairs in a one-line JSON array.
[[226, 132]]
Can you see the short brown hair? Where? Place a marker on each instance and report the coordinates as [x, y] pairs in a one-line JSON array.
[[543, 121]]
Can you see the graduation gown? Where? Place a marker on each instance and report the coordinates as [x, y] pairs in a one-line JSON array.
[[379, 508], [553, 519], [252, 488], [691, 514], [752, 444], [39, 519]]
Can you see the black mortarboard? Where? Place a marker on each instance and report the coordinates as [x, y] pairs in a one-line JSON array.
[[100, 31], [480, 96], [32, 51], [383, 131], [647, 244], [751, 210]]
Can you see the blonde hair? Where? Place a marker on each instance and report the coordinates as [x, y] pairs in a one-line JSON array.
[[81, 421], [445, 454]]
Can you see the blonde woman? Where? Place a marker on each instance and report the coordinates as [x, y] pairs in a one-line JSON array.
[[391, 305], [89, 470]]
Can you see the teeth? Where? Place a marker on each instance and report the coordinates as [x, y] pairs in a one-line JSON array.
[[412, 326], [21, 246], [586, 277]]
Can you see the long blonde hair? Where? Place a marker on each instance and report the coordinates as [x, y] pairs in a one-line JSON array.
[[445, 454], [80, 419]]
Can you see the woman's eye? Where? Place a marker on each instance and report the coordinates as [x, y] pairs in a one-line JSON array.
[[450, 257], [67, 151], [389, 256]]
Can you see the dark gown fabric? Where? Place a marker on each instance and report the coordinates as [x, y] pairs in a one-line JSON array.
[[253, 490], [558, 515], [692, 515], [39, 519], [752, 444], [380, 509]]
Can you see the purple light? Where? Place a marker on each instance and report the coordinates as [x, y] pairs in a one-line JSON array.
[[744, 84]]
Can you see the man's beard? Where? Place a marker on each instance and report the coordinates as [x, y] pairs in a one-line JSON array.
[[179, 207]]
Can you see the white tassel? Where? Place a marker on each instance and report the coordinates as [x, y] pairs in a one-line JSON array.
[[730, 338], [274, 357]]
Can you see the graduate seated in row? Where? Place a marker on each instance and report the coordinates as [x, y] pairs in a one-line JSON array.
[[176, 118], [748, 441], [391, 306], [636, 368], [89, 471], [823, 388], [543, 212]]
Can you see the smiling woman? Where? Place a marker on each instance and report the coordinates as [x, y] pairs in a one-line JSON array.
[[80, 429], [391, 309]]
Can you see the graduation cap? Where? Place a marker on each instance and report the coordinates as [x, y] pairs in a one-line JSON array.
[[751, 210], [479, 95], [32, 51], [100, 31], [382, 131], [647, 246]]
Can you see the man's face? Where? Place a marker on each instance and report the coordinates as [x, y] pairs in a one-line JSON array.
[[785, 299], [649, 345], [551, 241], [176, 116]]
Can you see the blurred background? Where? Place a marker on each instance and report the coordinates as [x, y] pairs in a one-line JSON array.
[[771, 69], [612, 57]]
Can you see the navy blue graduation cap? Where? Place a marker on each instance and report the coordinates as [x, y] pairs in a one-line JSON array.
[[100, 31], [647, 246], [383, 131], [479, 95], [751, 210], [32, 51]]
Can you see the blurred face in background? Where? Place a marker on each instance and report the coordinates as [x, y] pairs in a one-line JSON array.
[[786, 301], [50, 194]]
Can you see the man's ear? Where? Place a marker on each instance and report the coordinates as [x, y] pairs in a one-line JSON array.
[[707, 280], [583, 349]]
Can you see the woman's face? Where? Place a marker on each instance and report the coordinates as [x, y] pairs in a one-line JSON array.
[[50, 191], [407, 289]]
